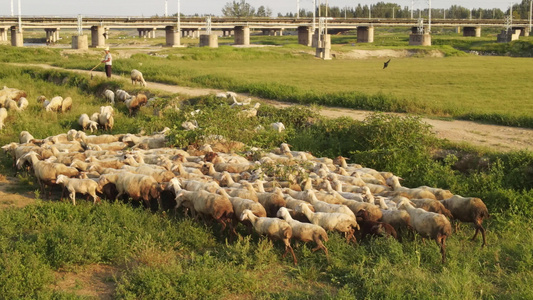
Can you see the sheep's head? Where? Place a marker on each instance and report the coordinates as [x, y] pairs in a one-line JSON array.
[[61, 179], [282, 213], [245, 215]]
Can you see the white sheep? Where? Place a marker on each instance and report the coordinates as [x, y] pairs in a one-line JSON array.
[[137, 76], [332, 221], [25, 137], [66, 105], [122, 95], [85, 123], [23, 103], [110, 96], [81, 186], [217, 206], [305, 232], [3, 116], [428, 224], [54, 104], [277, 126], [274, 228]]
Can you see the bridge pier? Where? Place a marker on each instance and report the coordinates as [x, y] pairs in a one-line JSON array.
[[3, 34], [242, 35], [17, 39], [52, 35], [226, 32], [304, 35], [209, 40], [419, 39], [97, 37], [323, 49], [173, 37], [522, 30], [80, 42], [506, 36], [146, 33], [365, 34], [472, 31]]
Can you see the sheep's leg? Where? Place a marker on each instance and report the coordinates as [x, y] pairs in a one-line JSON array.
[[73, 197], [222, 223], [479, 228], [441, 241], [287, 249], [320, 245]]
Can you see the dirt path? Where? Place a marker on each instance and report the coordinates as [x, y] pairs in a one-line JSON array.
[[499, 138]]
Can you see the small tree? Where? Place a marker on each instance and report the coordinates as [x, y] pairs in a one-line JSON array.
[[263, 12], [238, 9]]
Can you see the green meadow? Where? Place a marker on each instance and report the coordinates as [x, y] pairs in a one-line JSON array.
[[171, 256]]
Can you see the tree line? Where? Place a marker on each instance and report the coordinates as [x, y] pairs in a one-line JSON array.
[[241, 8]]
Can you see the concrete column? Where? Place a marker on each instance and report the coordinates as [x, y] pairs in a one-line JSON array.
[[3, 35], [420, 39], [526, 31], [97, 36], [458, 29], [508, 36], [522, 30], [17, 39], [172, 36], [209, 40], [472, 31], [80, 42], [324, 47], [304, 35], [242, 35], [365, 34], [106, 33]]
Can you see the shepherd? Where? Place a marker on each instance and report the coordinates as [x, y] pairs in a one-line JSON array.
[[108, 60]]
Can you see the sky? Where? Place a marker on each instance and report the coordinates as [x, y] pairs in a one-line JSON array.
[[149, 8]]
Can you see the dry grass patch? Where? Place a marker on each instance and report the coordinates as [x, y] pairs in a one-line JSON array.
[[89, 281]]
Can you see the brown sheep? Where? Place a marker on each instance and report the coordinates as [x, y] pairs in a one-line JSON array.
[[217, 206], [374, 228], [468, 209]]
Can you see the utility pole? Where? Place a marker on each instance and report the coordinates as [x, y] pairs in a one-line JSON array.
[[412, 5], [530, 12], [429, 17], [166, 8], [370, 12], [297, 9], [12, 8], [179, 19], [20, 20], [314, 16]]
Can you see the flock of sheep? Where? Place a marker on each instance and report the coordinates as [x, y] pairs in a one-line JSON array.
[[324, 196]]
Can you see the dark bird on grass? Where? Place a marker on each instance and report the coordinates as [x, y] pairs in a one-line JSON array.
[[386, 64]]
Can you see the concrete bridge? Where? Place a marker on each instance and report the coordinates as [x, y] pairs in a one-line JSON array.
[[192, 26]]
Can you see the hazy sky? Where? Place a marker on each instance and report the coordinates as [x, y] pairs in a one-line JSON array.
[[189, 7]]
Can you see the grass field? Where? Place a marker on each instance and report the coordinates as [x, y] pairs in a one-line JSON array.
[[485, 88], [162, 256]]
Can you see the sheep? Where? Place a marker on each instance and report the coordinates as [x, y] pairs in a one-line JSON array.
[[305, 232], [3, 116], [321, 206], [25, 137], [41, 99], [274, 228], [134, 103], [399, 219], [105, 117], [122, 95], [95, 117], [250, 112], [398, 190], [373, 211], [429, 224], [85, 123], [110, 96], [272, 202], [82, 186], [374, 228], [190, 125], [440, 194], [55, 104], [137, 186], [217, 206], [137, 76], [432, 206], [11, 104], [468, 209], [23, 103], [46, 173], [277, 126], [66, 105], [331, 221]]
